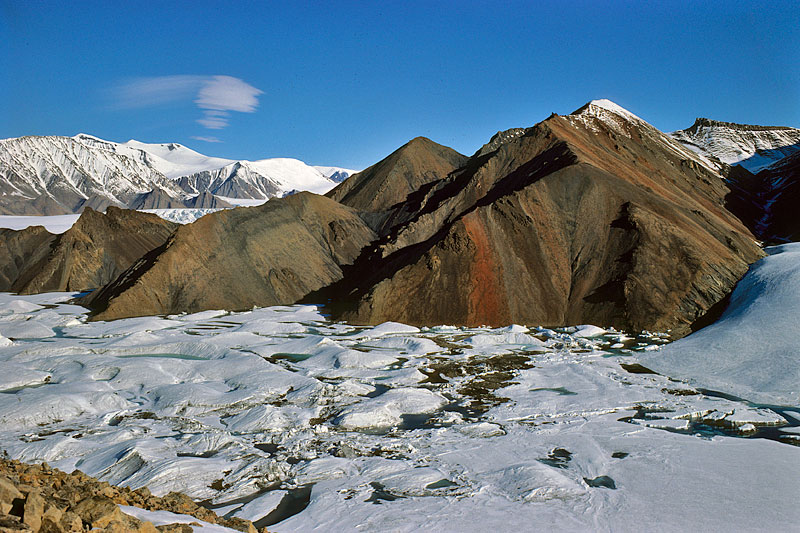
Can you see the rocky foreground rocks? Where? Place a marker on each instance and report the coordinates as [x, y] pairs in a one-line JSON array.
[[38, 498]]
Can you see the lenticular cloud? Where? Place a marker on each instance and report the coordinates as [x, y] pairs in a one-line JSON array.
[[226, 93], [217, 96]]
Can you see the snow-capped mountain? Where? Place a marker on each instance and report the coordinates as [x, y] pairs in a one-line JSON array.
[[58, 175], [621, 121], [753, 147], [171, 159], [336, 174], [258, 179]]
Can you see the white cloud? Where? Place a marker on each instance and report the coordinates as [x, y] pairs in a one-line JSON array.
[[217, 96], [146, 92], [206, 139], [225, 93], [213, 122]]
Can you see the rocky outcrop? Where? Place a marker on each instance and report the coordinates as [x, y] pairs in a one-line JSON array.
[[38, 498], [272, 254], [387, 184], [595, 217], [157, 199], [97, 249]]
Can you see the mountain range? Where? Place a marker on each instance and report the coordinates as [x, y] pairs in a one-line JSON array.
[[57, 175], [591, 217]]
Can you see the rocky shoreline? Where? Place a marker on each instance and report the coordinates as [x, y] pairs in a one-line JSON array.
[[38, 498]]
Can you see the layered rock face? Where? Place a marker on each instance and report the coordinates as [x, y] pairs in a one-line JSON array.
[[595, 217], [267, 255], [19, 249], [97, 249]]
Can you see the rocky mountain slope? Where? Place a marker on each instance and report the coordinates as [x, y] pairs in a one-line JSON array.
[[767, 202], [753, 147], [388, 183], [594, 217], [97, 249], [59, 175], [234, 259]]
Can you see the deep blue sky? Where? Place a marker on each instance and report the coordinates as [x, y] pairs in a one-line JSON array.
[[346, 83]]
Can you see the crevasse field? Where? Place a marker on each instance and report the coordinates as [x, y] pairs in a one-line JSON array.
[[279, 416]]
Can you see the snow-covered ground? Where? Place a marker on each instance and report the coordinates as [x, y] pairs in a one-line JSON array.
[[280, 416]]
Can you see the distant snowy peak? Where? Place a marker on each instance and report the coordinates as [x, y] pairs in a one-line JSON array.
[[623, 122], [606, 110], [196, 173], [753, 147], [258, 179], [336, 174]]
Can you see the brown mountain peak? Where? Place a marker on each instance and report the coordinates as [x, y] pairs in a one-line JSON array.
[[389, 182]]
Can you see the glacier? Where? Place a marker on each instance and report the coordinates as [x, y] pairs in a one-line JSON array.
[[283, 417]]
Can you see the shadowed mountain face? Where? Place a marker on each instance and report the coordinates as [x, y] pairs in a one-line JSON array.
[[596, 217], [267, 255], [19, 249], [385, 185], [96, 250], [767, 202]]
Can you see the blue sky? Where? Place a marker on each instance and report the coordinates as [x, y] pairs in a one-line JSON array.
[[346, 83]]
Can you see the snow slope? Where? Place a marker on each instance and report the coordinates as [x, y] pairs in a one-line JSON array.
[[262, 179], [61, 223], [171, 159], [752, 350], [337, 174], [753, 147]]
